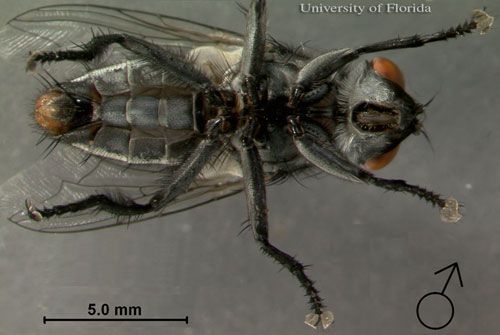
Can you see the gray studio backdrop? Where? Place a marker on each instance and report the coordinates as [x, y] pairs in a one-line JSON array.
[[374, 253]]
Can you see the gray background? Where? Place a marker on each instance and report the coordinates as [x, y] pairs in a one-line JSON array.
[[373, 253]]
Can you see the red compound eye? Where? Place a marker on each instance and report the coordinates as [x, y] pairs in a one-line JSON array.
[[381, 161], [389, 70]]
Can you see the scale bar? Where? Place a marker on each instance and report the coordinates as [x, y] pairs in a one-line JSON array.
[[46, 319]]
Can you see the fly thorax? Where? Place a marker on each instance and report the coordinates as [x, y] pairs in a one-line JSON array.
[[278, 149], [280, 77]]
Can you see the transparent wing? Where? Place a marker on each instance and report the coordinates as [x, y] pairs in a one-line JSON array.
[[69, 175], [63, 26]]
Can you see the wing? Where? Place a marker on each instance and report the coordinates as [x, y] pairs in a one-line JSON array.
[[57, 27], [69, 175], [62, 26]]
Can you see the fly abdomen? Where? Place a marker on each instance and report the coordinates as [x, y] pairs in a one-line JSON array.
[[144, 128], [155, 127], [126, 112], [171, 112]]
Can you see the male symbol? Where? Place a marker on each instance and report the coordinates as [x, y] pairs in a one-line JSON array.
[[453, 266]]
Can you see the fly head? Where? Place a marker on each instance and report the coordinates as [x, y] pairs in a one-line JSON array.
[[374, 114]]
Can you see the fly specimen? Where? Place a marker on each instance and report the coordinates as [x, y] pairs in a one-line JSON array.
[[172, 114]]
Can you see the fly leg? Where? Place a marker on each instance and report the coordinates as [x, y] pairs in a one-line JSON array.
[[247, 85], [479, 20], [252, 57], [314, 149], [323, 66], [160, 58], [255, 190], [175, 186]]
